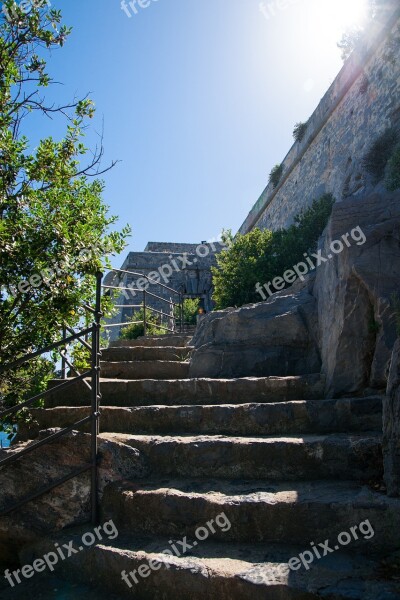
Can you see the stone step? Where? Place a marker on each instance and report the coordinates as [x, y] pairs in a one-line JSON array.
[[258, 511], [297, 417], [338, 456], [171, 353], [145, 369], [180, 340], [45, 586], [146, 392], [150, 569]]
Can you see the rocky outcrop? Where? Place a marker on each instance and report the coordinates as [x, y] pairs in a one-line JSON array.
[[340, 320], [391, 426], [68, 504], [354, 288], [278, 337]]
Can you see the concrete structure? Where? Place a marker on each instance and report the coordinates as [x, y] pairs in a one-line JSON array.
[[361, 103], [185, 268]]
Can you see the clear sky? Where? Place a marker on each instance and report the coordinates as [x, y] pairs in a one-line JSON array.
[[199, 99]]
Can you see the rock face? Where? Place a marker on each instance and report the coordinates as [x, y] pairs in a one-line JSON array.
[[278, 337], [68, 504], [356, 320], [391, 426], [339, 321]]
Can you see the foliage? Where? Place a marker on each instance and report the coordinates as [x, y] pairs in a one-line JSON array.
[[81, 356], [350, 40], [377, 157], [392, 174], [299, 131], [135, 330], [190, 310], [275, 175], [21, 384], [262, 255], [54, 227]]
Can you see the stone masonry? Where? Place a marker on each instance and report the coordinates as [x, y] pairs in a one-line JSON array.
[[185, 268], [362, 102]]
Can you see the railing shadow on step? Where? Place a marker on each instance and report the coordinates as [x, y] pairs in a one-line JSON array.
[[93, 376], [173, 317]]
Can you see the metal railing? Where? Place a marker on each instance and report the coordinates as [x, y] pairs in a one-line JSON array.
[[90, 378], [175, 322], [93, 374]]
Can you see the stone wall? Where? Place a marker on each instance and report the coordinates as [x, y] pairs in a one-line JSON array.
[[361, 103], [185, 268]]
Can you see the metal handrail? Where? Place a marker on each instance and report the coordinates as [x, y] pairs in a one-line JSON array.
[[146, 307], [92, 418], [148, 279], [46, 350], [68, 336]]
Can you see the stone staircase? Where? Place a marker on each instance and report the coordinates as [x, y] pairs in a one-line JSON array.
[[264, 466]]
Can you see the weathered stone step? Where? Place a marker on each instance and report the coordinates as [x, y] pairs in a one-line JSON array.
[[171, 353], [146, 392], [145, 369], [45, 586], [258, 511], [208, 571], [179, 340], [341, 456], [297, 417]]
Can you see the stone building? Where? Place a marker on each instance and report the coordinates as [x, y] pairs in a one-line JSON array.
[[185, 268]]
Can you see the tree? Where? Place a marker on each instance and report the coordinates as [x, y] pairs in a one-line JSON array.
[[54, 226]]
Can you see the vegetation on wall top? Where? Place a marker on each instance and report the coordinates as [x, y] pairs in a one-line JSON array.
[[275, 175], [299, 131]]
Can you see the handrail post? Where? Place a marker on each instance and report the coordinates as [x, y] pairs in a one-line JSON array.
[[181, 312], [95, 399], [144, 312], [63, 361]]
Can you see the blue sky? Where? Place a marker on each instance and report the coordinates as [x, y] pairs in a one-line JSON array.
[[199, 100]]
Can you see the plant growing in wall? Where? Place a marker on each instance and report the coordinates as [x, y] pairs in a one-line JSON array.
[[379, 154], [392, 175], [299, 131], [275, 175]]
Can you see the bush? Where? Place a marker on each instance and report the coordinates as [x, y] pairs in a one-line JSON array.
[[190, 310], [275, 175], [392, 175], [135, 330], [262, 255], [378, 155], [299, 131]]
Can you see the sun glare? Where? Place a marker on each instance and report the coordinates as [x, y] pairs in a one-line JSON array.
[[336, 16]]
